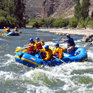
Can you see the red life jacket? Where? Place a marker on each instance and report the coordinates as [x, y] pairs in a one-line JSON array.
[[38, 45], [31, 49]]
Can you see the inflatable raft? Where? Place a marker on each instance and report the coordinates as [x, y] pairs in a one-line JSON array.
[[77, 55], [12, 33]]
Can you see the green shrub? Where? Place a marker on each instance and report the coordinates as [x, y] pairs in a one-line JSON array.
[[73, 22], [3, 13], [48, 22], [90, 22], [12, 22], [36, 24], [83, 23], [3, 22], [60, 23]]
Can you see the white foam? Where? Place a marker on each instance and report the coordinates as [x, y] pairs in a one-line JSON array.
[[7, 75]]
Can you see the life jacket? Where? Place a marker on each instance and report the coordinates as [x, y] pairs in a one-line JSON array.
[[31, 43], [38, 45], [48, 54], [59, 52], [70, 42], [31, 49], [7, 30], [15, 30]]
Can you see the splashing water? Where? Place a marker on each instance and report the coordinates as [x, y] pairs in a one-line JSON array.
[[66, 78]]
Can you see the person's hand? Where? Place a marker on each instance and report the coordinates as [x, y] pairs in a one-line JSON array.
[[42, 59], [63, 39], [37, 50]]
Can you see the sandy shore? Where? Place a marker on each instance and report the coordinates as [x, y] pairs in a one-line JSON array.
[[87, 31]]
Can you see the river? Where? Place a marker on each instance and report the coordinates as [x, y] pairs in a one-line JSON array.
[[66, 78]]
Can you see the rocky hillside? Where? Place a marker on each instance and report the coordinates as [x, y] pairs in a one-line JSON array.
[[53, 8], [56, 8], [33, 8]]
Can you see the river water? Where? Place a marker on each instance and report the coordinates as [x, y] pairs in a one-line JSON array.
[[66, 78]]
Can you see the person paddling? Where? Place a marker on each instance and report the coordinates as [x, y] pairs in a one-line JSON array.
[[7, 30], [58, 51], [70, 43], [38, 43], [48, 53], [31, 47], [15, 29], [31, 41]]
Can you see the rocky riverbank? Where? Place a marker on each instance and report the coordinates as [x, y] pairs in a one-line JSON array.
[[86, 32]]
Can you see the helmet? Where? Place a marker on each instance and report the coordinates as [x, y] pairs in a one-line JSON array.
[[46, 46], [8, 27], [57, 44], [37, 38], [31, 39], [15, 27], [68, 35]]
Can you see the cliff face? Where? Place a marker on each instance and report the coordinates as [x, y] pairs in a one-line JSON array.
[[33, 8], [56, 8], [91, 7], [49, 7], [53, 8]]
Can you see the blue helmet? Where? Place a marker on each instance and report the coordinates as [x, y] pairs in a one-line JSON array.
[[8, 27], [57, 44], [15, 27], [31, 39], [37, 38], [46, 46]]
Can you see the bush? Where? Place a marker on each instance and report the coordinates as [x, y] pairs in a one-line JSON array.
[[90, 22], [3, 13], [83, 23], [7, 20], [48, 22], [73, 22], [3, 22], [12, 22], [60, 23]]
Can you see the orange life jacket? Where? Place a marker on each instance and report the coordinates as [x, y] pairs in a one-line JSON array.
[[7, 30], [15, 30], [59, 52]]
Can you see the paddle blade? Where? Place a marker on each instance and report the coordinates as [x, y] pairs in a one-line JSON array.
[[20, 32], [25, 50], [2, 32], [18, 49]]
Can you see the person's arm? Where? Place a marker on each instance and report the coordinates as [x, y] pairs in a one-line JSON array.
[[47, 57], [64, 40], [42, 42], [54, 52], [41, 50]]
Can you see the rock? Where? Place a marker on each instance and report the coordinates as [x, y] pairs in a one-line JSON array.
[[88, 38], [52, 8]]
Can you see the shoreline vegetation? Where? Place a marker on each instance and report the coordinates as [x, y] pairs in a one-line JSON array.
[[12, 14], [62, 26]]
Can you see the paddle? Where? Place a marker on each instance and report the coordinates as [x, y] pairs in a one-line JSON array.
[[2, 32], [59, 40], [20, 49], [20, 32], [8, 34], [59, 59]]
